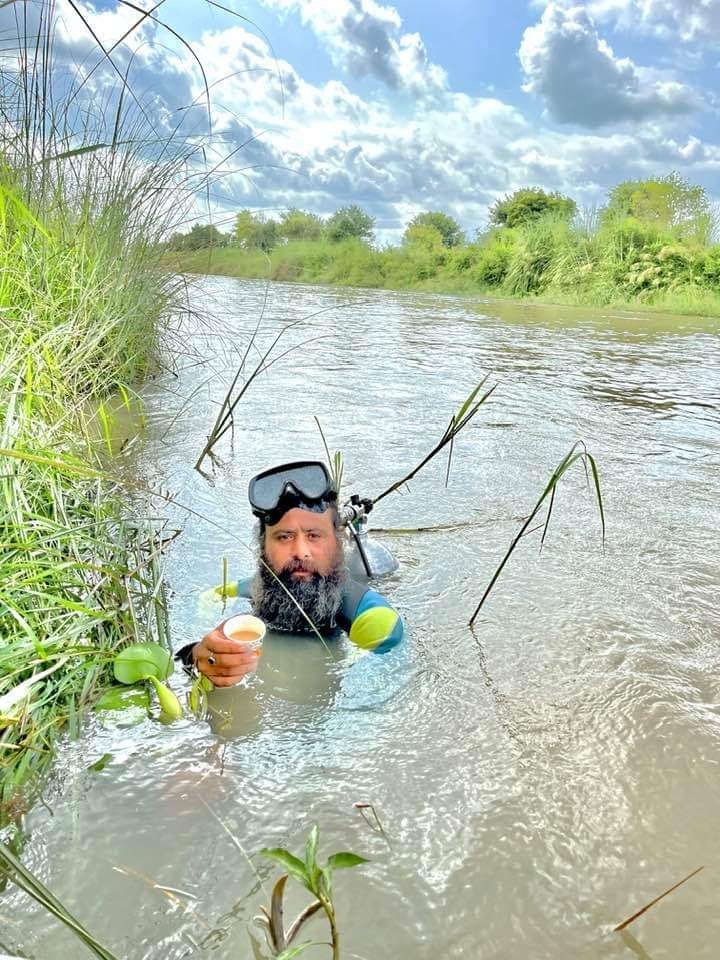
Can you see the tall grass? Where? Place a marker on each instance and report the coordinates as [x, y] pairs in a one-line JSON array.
[[591, 260], [86, 193]]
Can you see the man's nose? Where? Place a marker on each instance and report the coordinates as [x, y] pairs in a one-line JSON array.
[[302, 547]]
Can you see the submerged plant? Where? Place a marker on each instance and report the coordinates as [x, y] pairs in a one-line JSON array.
[[318, 881]]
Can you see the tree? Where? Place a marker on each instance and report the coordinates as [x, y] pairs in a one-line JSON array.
[[254, 232], [299, 225], [667, 202], [530, 203], [200, 237], [245, 226], [349, 222], [449, 229], [423, 235]]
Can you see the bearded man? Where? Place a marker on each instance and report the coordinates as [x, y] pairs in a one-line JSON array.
[[301, 584]]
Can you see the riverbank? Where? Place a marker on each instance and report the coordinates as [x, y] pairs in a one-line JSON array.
[[79, 575], [83, 303], [658, 273]]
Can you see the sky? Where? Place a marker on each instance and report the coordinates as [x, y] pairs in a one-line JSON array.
[[422, 105]]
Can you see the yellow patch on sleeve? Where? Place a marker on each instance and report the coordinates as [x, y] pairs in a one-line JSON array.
[[373, 627]]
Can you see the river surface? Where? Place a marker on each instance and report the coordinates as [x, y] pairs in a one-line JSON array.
[[538, 779]]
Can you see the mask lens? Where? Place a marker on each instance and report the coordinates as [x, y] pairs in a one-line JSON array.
[[266, 491], [309, 480]]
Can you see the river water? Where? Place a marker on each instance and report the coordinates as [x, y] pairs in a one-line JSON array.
[[539, 778]]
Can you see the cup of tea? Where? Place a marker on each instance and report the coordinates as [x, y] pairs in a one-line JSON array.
[[246, 629]]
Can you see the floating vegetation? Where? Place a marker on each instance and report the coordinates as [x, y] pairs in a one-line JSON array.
[[149, 661]]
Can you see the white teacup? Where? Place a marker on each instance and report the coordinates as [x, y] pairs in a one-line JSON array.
[[246, 629]]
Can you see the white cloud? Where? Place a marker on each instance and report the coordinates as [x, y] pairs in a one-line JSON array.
[[365, 38], [688, 20], [320, 145], [567, 63]]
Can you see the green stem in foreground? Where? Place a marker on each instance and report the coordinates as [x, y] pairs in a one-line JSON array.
[[334, 932]]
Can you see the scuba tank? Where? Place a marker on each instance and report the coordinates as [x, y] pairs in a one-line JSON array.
[[366, 558]]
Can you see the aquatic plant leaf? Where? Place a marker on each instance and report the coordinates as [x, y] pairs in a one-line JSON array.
[[311, 851], [578, 451], [21, 876], [294, 866], [169, 703], [310, 910], [101, 763], [141, 661], [120, 698], [344, 861], [324, 882], [277, 923]]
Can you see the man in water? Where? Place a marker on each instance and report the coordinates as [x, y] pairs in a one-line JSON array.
[[301, 585]]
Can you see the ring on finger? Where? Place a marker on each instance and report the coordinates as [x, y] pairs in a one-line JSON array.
[[211, 660]]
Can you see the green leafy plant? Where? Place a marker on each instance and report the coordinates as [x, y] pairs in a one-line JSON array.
[[317, 880], [149, 661]]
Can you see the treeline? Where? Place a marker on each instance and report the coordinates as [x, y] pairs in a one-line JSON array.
[[255, 231], [652, 240]]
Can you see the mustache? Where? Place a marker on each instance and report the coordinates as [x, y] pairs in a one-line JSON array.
[[293, 566]]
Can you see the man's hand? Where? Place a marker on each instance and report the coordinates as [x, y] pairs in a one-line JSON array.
[[233, 658]]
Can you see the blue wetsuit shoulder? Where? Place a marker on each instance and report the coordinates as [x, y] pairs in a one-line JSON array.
[[357, 599], [244, 588]]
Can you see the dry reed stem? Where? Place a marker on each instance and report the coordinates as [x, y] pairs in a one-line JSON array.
[[621, 926]]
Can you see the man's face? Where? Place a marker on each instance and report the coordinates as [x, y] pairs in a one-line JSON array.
[[303, 543]]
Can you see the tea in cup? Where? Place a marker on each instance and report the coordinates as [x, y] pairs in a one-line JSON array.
[[246, 629]]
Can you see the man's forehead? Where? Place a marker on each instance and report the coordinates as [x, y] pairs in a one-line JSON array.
[[299, 519]]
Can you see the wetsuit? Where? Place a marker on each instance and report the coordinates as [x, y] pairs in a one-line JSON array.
[[357, 599]]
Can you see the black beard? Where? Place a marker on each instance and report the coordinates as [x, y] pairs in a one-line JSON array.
[[319, 597]]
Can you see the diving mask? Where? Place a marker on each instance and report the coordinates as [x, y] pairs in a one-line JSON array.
[[305, 483]]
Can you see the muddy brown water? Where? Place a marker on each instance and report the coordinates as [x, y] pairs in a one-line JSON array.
[[538, 779]]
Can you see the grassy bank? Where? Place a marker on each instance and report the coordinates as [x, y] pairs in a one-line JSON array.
[[83, 300], [621, 263]]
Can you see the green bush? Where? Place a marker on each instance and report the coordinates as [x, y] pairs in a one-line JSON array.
[[710, 269], [597, 261], [537, 247], [493, 262], [463, 259]]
